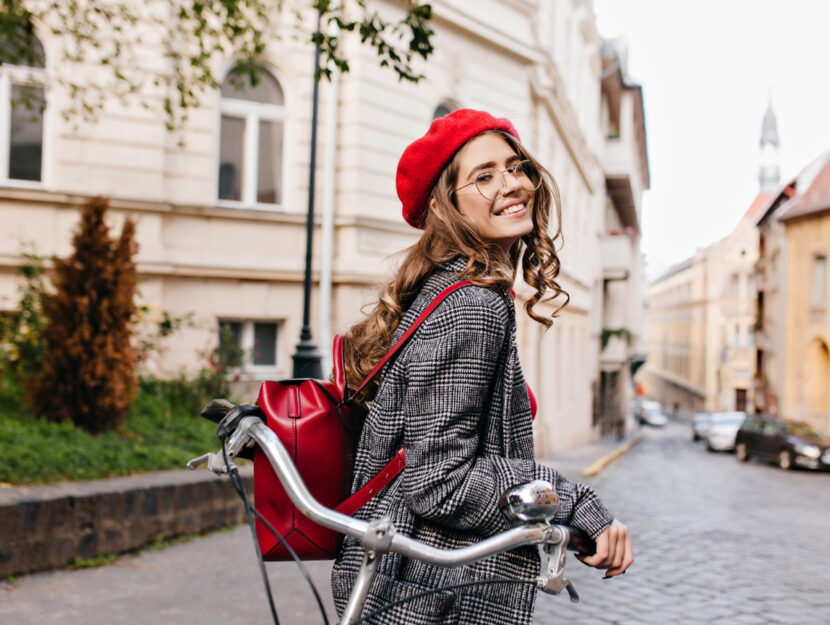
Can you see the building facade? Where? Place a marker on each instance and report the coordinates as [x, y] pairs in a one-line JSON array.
[[792, 362], [701, 326], [221, 215]]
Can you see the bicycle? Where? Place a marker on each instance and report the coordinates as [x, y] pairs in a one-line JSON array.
[[529, 506]]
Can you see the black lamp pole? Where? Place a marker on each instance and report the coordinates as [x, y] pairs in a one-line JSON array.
[[307, 361]]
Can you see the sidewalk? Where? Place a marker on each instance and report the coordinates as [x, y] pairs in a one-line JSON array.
[[586, 462]]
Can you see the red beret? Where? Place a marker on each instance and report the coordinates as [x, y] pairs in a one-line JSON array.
[[424, 160]]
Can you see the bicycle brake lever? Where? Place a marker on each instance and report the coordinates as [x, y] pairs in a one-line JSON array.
[[214, 462], [552, 578]]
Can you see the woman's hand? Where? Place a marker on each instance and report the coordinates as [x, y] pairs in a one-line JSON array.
[[614, 551]]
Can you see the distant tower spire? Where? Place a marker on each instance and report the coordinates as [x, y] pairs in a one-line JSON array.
[[769, 174]]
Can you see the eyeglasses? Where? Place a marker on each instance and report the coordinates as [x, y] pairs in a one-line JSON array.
[[491, 182]]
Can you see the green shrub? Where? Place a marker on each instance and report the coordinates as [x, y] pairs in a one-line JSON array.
[[162, 430]]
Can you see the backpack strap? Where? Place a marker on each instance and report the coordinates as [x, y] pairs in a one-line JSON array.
[[396, 348], [388, 473], [339, 367]]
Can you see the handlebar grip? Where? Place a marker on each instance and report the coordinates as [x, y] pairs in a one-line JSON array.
[[216, 410], [580, 541]]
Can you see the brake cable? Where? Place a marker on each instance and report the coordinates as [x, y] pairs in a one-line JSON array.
[[251, 511]]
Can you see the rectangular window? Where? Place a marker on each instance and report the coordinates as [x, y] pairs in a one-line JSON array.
[[265, 344], [26, 133], [231, 159], [270, 162], [820, 280], [248, 343]]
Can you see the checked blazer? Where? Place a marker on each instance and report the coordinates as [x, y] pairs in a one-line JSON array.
[[456, 399]]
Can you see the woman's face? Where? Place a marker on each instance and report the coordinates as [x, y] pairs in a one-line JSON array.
[[507, 216]]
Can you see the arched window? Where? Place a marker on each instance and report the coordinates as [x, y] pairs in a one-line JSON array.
[[22, 104], [252, 141], [445, 108]]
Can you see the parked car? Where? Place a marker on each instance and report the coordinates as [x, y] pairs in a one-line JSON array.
[[651, 413], [788, 443], [722, 430], [700, 423]]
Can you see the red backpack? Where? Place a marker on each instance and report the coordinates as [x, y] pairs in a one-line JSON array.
[[312, 419]]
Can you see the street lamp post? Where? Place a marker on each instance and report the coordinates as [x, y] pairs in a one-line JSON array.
[[307, 358]]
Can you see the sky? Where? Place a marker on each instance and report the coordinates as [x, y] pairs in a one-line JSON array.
[[708, 69]]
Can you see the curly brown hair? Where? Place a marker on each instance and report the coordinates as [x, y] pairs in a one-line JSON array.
[[448, 235]]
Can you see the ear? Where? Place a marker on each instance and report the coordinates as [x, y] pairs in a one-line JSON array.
[[433, 207]]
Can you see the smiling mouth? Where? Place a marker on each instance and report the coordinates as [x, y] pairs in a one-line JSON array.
[[511, 210]]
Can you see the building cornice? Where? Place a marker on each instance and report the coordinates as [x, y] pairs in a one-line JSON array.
[[474, 26], [545, 86], [75, 201], [152, 269]]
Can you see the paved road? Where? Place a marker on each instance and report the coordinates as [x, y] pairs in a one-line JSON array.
[[716, 541]]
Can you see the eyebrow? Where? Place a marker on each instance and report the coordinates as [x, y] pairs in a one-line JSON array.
[[492, 164]]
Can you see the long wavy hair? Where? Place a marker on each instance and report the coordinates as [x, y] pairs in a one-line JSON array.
[[449, 234]]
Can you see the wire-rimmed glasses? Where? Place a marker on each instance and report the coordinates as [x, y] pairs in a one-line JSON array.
[[490, 182]]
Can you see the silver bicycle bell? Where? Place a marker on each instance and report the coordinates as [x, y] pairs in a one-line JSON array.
[[534, 501]]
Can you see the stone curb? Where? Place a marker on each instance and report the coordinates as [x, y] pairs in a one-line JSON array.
[[46, 527], [598, 465]]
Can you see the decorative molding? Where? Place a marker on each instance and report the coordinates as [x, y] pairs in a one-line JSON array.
[[480, 29], [546, 90]]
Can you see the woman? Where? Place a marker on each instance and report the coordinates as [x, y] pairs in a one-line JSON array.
[[455, 397]]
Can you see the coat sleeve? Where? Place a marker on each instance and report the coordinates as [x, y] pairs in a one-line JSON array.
[[450, 374]]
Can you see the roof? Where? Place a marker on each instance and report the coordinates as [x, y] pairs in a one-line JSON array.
[[815, 199], [674, 269], [790, 194], [761, 200]]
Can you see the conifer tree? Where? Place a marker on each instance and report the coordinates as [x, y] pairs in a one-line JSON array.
[[88, 373]]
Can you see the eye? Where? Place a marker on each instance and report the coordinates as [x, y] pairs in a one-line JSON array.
[[525, 168], [486, 176]]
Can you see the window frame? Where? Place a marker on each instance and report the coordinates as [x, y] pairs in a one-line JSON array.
[[818, 300], [252, 113], [447, 103], [23, 75], [247, 346]]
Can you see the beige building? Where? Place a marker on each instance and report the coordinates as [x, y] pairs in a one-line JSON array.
[[621, 301], [702, 314], [792, 363], [221, 220], [701, 325]]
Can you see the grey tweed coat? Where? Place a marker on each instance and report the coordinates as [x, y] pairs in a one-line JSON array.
[[456, 399]]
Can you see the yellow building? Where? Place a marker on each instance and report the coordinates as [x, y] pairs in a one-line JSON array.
[[793, 360], [700, 320]]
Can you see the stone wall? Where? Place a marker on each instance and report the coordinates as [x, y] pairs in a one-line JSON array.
[[46, 527]]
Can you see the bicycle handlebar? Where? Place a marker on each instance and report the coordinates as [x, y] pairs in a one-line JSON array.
[[528, 534]]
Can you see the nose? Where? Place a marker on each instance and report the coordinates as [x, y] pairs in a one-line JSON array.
[[510, 183]]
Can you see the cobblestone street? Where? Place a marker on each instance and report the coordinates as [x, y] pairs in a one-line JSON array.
[[715, 541]]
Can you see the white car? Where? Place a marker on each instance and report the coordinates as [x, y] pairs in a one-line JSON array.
[[723, 428], [651, 413], [700, 424]]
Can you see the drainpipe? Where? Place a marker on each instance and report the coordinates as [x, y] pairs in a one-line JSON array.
[[327, 232]]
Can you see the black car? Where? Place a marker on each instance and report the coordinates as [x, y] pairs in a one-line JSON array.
[[788, 443]]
